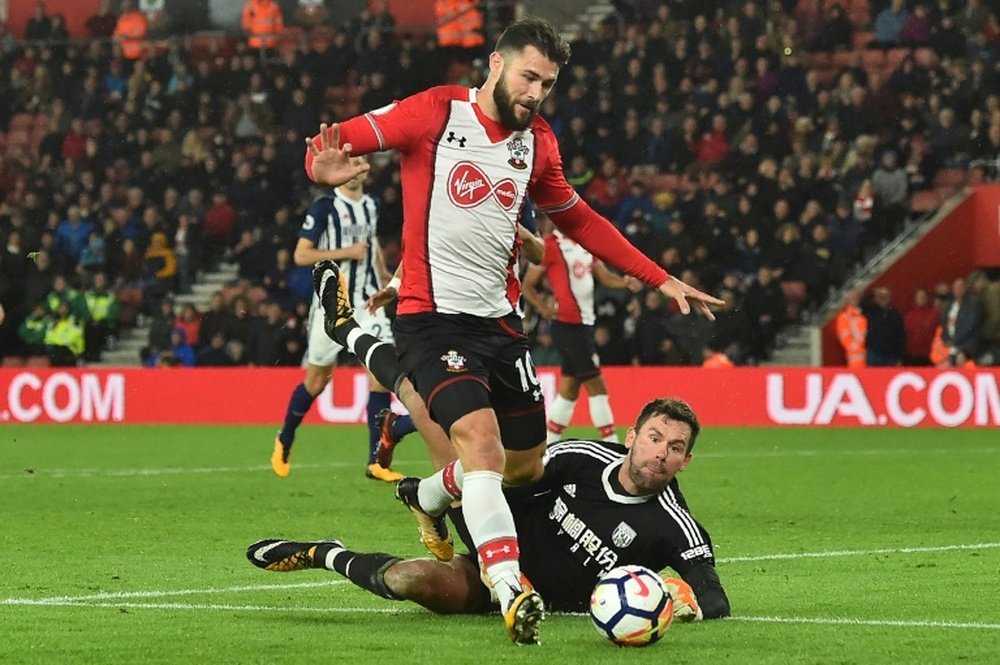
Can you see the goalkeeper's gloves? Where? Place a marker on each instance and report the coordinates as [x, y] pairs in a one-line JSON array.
[[686, 607]]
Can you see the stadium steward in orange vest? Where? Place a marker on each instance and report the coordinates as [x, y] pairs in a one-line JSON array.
[[459, 23], [852, 328], [131, 31], [263, 22]]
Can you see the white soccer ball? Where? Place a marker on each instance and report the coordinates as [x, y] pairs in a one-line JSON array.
[[630, 606]]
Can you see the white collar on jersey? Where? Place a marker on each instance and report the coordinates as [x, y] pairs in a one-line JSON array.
[[615, 496], [473, 92]]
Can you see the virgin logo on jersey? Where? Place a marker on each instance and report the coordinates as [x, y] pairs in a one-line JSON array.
[[468, 186], [581, 269], [583, 538]]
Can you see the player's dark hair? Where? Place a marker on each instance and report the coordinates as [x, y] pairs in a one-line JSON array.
[[537, 32], [674, 409]]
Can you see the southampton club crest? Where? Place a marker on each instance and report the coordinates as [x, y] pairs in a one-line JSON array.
[[518, 154], [455, 362], [623, 535]]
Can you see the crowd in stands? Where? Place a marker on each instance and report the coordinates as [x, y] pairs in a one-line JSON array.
[[756, 150]]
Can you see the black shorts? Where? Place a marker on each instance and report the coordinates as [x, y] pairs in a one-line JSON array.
[[461, 363], [575, 343]]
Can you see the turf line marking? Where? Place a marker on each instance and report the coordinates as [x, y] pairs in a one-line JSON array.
[[112, 595], [284, 609], [222, 607], [171, 471], [837, 553], [869, 622], [167, 471], [841, 452]]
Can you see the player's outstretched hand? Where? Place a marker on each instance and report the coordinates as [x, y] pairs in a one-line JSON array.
[[332, 165], [685, 604], [380, 298], [686, 295]]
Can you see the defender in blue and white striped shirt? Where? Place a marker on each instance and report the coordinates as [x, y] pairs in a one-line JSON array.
[[340, 225]]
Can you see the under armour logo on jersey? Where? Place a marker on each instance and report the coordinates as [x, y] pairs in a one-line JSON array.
[[452, 138]]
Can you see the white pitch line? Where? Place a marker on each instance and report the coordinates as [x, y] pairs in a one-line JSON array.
[[898, 623], [112, 595], [220, 607], [167, 471], [838, 553], [172, 471], [284, 609], [840, 452]]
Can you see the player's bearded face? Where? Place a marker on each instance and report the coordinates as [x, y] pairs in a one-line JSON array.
[[514, 114], [657, 453]]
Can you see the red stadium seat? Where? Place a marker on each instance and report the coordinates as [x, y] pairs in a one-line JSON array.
[[664, 182], [12, 361], [38, 361], [952, 178], [795, 298], [22, 122], [862, 38], [924, 201]]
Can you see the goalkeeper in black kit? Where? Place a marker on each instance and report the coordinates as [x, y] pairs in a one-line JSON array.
[[598, 505]]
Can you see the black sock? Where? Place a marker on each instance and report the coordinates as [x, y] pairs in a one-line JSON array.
[[458, 521], [379, 357], [339, 333], [366, 570]]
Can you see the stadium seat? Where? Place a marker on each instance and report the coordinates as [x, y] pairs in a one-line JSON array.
[[872, 59], [12, 361], [18, 139], [952, 178], [664, 182], [895, 57], [795, 298], [22, 122], [859, 12], [924, 201], [38, 361], [862, 39]]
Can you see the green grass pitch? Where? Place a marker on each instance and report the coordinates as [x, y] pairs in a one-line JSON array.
[[125, 544]]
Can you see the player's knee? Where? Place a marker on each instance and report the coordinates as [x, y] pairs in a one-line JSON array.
[[477, 440], [316, 379], [407, 581], [522, 470]]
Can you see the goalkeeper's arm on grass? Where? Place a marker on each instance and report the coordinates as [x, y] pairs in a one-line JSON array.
[[699, 595]]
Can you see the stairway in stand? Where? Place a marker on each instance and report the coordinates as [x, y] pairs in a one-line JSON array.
[[126, 351]]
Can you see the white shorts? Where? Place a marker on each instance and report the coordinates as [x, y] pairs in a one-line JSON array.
[[323, 351]]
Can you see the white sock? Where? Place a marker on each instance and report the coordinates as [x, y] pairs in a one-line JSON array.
[[560, 413], [436, 493], [491, 526], [603, 419]]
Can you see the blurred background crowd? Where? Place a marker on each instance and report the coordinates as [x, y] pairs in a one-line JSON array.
[[760, 150]]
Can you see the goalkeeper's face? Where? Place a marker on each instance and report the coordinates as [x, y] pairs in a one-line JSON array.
[[656, 453], [523, 80]]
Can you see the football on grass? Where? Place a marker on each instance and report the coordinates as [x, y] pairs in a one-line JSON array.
[[630, 606]]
